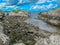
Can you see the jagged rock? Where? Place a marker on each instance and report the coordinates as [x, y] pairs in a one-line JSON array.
[[52, 17], [19, 44], [1, 15], [21, 33], [21, 13], [53, 39], [4, 39], [1, 43], [18, 30]]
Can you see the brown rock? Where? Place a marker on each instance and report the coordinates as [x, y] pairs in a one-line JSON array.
[[52, 17], [1, 43]]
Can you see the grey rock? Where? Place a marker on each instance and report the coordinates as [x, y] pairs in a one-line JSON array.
[[4, 39], [52, 17], [1, 43], [21, 13], [19, 44], [53, 39], [17, 30]]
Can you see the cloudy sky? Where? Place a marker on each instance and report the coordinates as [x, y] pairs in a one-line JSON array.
[[29, 5]]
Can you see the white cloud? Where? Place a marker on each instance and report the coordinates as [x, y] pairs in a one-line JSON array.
[[38, 7], [20, 1], [2, 4], [51, 6], [43, 1], [40, 1], [34, 7]]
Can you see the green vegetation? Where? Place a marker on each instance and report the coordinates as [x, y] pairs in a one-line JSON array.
[[17, 11], [1, 12]]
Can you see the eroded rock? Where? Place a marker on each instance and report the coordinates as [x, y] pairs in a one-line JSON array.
[[1, 43], [17, 30], [52, 17], [21, 33], [19, 44], [4, 39], [53, 39]]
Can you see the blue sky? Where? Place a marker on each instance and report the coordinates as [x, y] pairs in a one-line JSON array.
[[2, 0], [33, 5]]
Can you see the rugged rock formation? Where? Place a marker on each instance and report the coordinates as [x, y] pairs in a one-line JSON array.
[[4, 39], [21, 33], [7, 20], [19, 44], [18, 32], [20, 13], [1, 15], [52, 17], [1, 43], [53, 39]]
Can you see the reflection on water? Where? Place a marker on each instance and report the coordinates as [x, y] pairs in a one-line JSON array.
[[41, 24], [34, 14]]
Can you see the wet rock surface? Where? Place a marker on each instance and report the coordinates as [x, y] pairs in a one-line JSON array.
[[42, 25], [52, 17]]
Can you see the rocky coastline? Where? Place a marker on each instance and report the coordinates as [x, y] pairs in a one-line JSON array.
[[52, 17], [17, 32]]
